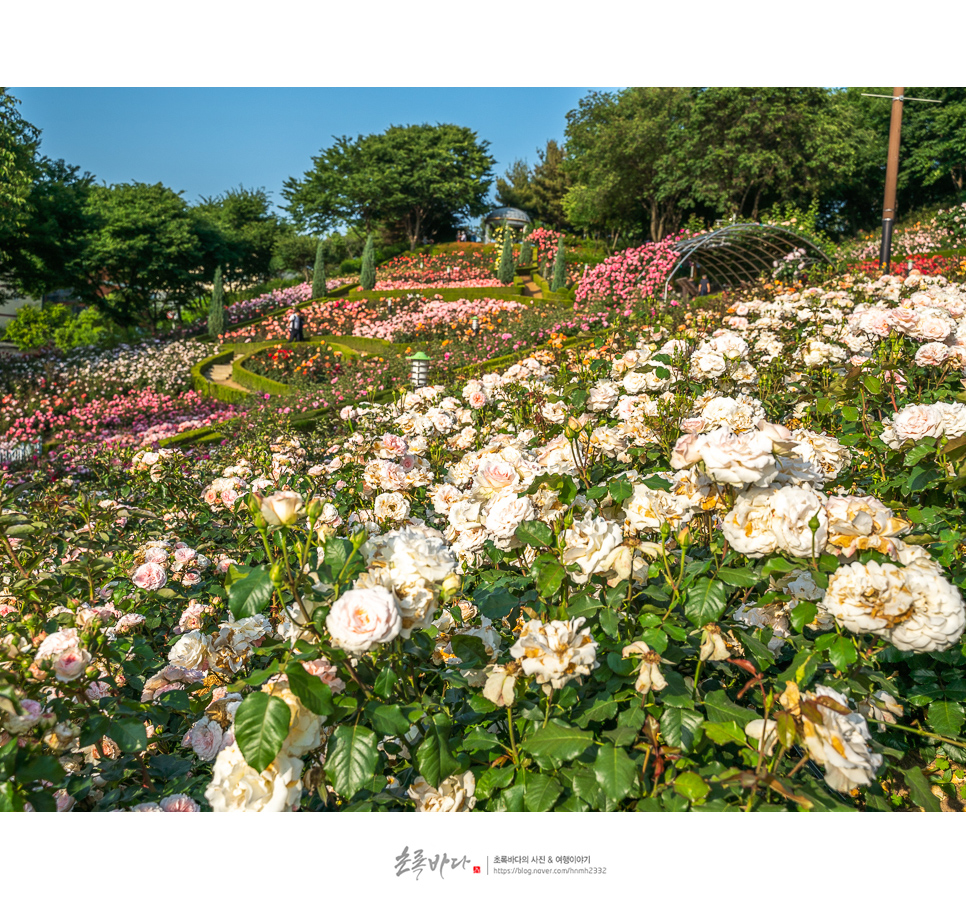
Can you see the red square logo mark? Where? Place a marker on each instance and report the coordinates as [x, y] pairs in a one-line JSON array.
[[476, 870]]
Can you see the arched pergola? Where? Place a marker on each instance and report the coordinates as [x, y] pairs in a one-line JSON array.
[[741, 252]]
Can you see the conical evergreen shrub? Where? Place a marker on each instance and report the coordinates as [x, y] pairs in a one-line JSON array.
[[318, 274], [505, 270], [526, 251], [216, 309], [559, 268], [367, 276]]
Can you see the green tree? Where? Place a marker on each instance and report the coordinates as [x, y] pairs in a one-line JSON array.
[[625, 162], [216, 308], [526, 251], [752, 147], [244, 234], [318, 272], [515, 188], [18, 150], [49, 250], [540, 191], [417, 177], [367, 275], [559, 268], [295, 252], [505, 269], [144, 253]]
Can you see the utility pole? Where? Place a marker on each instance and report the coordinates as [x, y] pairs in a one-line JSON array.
[[892, 171]]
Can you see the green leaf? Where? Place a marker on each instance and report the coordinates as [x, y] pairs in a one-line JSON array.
[[601, 709], [691, 786], [351, 759], [433, 755], [615, 771], [919, 790], [620, 489], [803, 613], [130, 734], [387, 719], [738, 578], [336, 553], [679, 726], [842, 653], [563, 485], [721, 709], [850, 413], [311, 691], [250, 594], [493, 779], [261, 726], [471, 651], [385, 682], [549, 575], [872, 384], [945, 717], [556, 743], [534, 533], [706, 601], [724, 732], [44, 767], [541, 792]]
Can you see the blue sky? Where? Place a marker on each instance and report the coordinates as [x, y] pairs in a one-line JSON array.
[[203, 141]]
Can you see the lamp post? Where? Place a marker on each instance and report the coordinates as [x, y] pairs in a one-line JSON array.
[[419, 372], [892, 170], [475, 325]]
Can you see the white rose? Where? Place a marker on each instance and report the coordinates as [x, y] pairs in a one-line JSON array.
[[914, 608], [555, 652], [455, 793], [916, 422], [281, 509], [391, 506], [504, 515], [235, 786], [361, 618], [191, 651], [589, 544]]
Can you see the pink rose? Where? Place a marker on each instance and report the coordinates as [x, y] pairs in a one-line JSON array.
[[363, 617], [180, 802], [150, 577]]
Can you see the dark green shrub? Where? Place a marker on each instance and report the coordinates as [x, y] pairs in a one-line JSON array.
[[216, 309], [318, 273]]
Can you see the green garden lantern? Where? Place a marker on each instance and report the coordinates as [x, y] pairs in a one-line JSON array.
[[419, 372], [475, 325]]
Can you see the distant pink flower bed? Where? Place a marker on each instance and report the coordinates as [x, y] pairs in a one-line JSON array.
[[436, 283], [416, 315]]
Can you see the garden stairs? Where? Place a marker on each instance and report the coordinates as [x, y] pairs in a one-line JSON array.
[[221, 373], [530, 288]]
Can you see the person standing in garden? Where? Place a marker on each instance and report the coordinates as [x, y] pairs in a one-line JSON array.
[[704, 287], [295, 327]]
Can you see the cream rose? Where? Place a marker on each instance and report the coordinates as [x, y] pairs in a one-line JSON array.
[[361, 618], [235, 786]]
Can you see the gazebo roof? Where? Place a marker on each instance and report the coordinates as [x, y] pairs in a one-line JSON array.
[[509, 214]]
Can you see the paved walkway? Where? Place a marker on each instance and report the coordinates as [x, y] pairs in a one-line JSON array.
[[221, 373]]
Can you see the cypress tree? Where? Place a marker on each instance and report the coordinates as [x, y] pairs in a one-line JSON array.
[[367, 276], [526, 251], [318, 274], [559, 268], [505, 270], [216, 309]]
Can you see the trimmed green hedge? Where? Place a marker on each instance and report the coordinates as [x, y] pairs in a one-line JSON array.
[[201, 384], [246, 378]]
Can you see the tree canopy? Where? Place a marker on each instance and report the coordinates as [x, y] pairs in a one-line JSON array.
[[18, 149], [417, 177], [540, 191]]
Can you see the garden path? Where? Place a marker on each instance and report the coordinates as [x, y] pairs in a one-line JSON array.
[[221, 373]]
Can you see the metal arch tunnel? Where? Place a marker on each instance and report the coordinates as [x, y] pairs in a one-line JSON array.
[[737, 253]]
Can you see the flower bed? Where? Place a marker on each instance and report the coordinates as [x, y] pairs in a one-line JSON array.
[[717, 569], [465, 267]]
